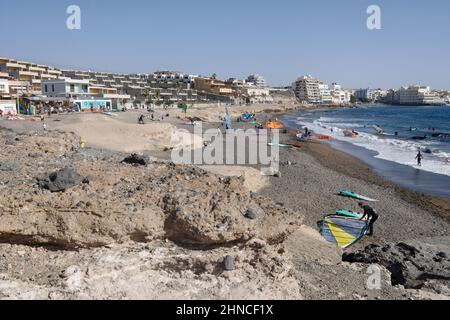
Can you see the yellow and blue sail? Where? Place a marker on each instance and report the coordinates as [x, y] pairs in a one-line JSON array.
[[343, 231]]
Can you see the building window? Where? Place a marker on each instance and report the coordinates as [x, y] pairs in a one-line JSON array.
[[84, 88], [53, 88], [46, 88], [72, 88]]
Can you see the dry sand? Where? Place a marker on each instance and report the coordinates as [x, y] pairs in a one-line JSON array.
[[253, 179], [115, 133]]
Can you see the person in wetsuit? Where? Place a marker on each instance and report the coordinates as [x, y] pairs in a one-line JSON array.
[[419, 158], [371, 214]]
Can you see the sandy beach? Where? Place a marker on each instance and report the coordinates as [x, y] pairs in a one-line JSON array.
[[293, 202]]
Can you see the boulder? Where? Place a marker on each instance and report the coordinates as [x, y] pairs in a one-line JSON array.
[[411, 263], [136, 159], [61, 180]]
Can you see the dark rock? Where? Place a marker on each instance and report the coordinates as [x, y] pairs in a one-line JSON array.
[[411, 264], [61, 180], [142, 160], [250, 214], [442, 255], [228, 263]]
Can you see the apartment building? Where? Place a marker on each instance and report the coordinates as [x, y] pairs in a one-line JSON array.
[[418, 95], [27, 76], [340, 97], [82, 89], [307, 89], [162, 85], [214, 86], [325, 94], [4, 87], [365, 95], [173, 77], [413, 95], [67, 88], [253, 94], [257, 80]]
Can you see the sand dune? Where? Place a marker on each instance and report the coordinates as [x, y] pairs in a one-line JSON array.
[[111, 133]]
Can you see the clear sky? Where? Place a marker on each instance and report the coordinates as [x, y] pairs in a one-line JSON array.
[[280, 39]]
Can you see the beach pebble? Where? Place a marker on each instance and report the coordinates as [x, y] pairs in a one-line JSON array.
[[250, 214], [228, 263]]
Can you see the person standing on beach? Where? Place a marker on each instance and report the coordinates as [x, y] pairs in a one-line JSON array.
[[419, 158], [371, 215]]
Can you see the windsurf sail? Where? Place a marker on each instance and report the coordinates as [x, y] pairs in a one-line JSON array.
[[350, 194], [227, 119], [378, 129], [343, 231]]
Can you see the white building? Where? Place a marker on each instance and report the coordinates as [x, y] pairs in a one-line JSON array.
[[4, 86], [341, 97], [65, 87], [257, 94], [325, 94], [335, 87], [418, 95], [257, 80], [364, 95], [170, 77]]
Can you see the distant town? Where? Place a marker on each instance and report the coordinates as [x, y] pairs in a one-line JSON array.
[[26, 87]]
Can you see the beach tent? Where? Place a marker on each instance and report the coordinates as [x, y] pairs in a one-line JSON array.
[[274, 125], [247, 117], [343, 231]]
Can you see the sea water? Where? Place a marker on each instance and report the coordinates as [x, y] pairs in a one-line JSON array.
[[402, 126]]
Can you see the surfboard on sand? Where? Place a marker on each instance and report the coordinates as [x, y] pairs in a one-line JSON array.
[[351, 194], [348, 213], [280, 145]]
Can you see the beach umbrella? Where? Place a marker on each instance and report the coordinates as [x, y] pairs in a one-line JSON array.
[[274, 125]]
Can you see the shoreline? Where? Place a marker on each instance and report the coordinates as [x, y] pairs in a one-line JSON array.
[[360, 170], [412, 178]]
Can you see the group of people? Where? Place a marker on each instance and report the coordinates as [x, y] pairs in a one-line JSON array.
[[141, 119]]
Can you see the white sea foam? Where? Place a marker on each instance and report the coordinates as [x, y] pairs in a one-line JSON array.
[[388, 148]]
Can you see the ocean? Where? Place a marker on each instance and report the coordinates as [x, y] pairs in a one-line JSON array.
[[403, 126]]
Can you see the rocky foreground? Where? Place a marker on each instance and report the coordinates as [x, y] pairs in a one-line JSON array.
[[90, 224]]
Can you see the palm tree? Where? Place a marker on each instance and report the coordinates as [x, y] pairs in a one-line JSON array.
[[178, 89], [158, 95], [214, 76]]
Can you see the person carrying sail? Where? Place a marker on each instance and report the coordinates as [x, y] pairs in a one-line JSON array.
[[371, 214]]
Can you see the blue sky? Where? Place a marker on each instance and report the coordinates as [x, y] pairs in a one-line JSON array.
[[280, 39]]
